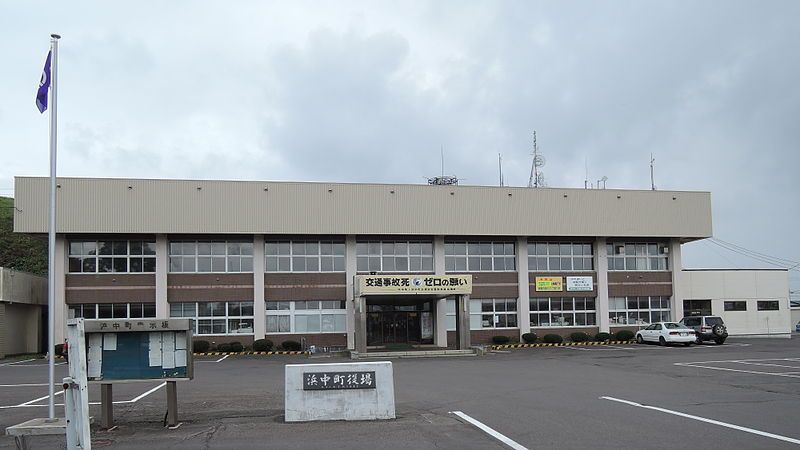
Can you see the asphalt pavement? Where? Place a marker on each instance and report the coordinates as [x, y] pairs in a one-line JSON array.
[[743, 394]]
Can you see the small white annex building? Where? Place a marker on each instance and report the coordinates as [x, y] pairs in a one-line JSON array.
[[23, 300], [751, 302]]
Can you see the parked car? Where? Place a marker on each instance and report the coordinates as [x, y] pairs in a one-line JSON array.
[[666, 333], [797, 327], [707, 328]]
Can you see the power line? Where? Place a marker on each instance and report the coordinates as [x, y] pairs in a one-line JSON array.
[[780, 262], [789, 261]]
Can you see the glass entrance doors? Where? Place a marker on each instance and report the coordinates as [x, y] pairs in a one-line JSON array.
[[398, 324]]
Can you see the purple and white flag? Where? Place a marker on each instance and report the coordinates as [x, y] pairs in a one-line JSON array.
[[44, 86]]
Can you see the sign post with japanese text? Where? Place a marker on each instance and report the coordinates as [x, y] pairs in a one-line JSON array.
[[346, 391]]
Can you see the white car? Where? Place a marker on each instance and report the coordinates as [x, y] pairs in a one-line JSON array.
[[666, 333]]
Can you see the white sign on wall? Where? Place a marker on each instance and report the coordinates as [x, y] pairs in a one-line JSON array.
[[579, 284]]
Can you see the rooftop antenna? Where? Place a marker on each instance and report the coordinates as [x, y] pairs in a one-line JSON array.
[[586, 168], [602, 180], [537, 178], [652, 180], [500, 166], [443, 180]]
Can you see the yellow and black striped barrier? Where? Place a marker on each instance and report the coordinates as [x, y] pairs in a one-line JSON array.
[[252, 353], [563, 344]]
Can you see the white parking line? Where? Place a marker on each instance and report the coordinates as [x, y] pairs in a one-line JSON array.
[[500, 437], [34, 365], [703, 419], [26, 385], [17, 362], [746, 362], [217, 361], [39, 399], [30, 404]]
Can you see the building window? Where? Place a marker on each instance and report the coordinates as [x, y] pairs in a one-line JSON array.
[[112, 256], [394, 256], [304, 256], [485, 313], [113, 310], [559, 257], [563, 312], [216, 318], [636, 256], [210, 256], [306, 316], [768, 305], [479, 256], [638, 310], [735, 306]]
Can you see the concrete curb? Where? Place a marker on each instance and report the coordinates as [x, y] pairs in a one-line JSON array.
[[563, 344], [251, 353]]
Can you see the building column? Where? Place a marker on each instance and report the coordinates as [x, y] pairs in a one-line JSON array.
[[440, 323], [601, 269], [523, 288], [350, 276], [60, 292], [462, 322], [162, 268], [675, 265], [360, 304], [259, 307]]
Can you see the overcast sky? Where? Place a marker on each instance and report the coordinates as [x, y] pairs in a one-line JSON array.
[[370, 91]]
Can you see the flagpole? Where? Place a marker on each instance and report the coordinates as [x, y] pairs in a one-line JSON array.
[[51, 234]]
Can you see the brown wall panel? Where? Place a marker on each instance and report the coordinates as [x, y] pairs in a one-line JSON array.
[[305, 293], [304, 279], [191, 287], [191, 294], [110, 279], [627, 290], [639, 277], [100, 295], [487, 291]]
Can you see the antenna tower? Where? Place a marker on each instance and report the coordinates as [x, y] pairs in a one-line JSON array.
[[652, 180], [443, 180], [537, 177]]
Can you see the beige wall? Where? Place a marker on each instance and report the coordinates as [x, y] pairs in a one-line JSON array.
[[94, 205], [22, 328], [742, 285], [22, 287]]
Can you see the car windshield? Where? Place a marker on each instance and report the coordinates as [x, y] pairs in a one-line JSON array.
[[672, 325], [711, 321]]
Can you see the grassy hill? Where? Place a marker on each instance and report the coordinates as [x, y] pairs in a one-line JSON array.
[[19, 251]]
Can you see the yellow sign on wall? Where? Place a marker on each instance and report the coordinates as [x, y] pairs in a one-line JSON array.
[[549, 284]]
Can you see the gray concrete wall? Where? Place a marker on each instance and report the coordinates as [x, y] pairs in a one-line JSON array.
[[22, 327], [22, 287]]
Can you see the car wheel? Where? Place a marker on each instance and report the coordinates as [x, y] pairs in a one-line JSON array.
[[719, 341], [639, 339], [717, 330], [687, 344], [661, 341], [698, 340]]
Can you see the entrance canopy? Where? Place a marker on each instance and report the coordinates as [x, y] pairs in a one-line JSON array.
[[432, 286]]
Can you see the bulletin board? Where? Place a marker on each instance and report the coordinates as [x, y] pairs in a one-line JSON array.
[[138, 350]]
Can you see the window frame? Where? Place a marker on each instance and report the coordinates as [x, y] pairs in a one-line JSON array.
[[636, 253], [615, 312], [338, 261], [213, 254], [476, 313], [550, 312], [145, 258], [129, 306], [225, 317], [766, 305], [479, 251], [376, 252], [735, 305], [338, 314], [535, 257]]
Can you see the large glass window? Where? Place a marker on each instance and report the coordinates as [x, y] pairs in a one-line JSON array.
[[485, 313], [304, 256], [113, 310], [638, 310], [210, 256], [637, 256], [112, 256], [479, 256], [216, 318], [394, 256], [563, 312], [306, 316], [560, 256], [767, 305]]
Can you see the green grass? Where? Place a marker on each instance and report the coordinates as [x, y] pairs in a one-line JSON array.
[[19, 251]]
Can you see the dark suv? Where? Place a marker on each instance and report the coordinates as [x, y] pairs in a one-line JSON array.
[[707, 328]]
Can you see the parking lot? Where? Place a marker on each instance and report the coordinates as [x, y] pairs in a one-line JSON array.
[[741, 394]]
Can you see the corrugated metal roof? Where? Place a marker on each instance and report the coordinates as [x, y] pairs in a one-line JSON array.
[[103, 205]]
